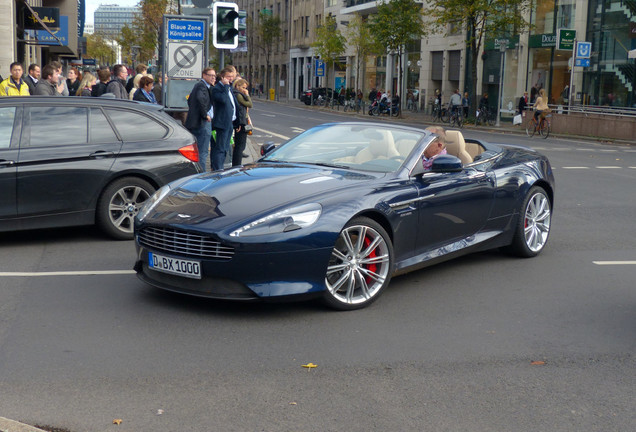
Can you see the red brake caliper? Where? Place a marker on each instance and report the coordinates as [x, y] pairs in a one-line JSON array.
[[370, 267]]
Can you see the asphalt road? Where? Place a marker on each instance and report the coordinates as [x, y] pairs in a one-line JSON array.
[[482, 343]]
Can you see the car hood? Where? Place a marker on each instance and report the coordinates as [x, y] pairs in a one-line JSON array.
[[221, 199]]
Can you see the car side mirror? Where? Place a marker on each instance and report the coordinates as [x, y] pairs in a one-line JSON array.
[[441, 164], [267, 147]]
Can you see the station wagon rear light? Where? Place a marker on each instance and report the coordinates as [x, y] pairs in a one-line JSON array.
[[190, 152]]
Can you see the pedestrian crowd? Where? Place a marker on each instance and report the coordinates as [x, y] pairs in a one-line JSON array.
[[49, 81], [218, 107], [218, 111]]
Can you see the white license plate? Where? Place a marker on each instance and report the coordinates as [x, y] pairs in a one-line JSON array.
[[177, 266]]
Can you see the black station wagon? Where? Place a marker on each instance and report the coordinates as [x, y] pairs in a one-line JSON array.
[[68, 161]]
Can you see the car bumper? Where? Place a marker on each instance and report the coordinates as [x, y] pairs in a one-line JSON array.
[[246, 276]]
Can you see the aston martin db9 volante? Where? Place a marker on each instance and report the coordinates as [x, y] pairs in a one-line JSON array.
[[81, 160], [338, 210]]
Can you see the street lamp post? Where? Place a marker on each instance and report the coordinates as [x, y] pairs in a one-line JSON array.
[[502, 49]]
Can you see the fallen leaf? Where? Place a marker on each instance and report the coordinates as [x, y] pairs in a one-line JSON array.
[[159, 411], [310, 366], [537, 363], [117, 421], [293, 403]]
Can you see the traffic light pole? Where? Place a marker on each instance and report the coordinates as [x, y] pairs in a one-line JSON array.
[[221, 58]]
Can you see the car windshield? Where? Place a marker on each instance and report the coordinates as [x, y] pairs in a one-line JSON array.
[[363, 147]]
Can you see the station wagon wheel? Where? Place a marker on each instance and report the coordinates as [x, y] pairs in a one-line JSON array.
[[533, 227], [119, 203], [360, 265]]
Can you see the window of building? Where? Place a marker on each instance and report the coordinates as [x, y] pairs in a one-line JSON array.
[[306, 26]]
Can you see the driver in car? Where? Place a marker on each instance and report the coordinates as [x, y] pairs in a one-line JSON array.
[[435, 148]]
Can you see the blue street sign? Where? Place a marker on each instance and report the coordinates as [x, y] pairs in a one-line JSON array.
[[582, 62], [583, 50], [184, 30], [320, 68]]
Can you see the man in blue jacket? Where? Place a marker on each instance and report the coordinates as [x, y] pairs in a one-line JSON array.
[[225, 114], [199, 120]]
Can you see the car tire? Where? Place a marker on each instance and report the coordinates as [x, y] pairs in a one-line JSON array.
[[360, 266], [118, 204], [533, 227]]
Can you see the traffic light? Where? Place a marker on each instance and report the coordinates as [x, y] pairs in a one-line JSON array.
[[225, 25], [242, 27]]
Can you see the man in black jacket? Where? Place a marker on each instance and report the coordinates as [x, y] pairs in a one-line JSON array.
[[118, 84], [225, 114], [32, 77], [199, 120]]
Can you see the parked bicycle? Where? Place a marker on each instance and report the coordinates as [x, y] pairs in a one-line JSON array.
[[439, 114], [456, 117], [543, 127], [485, 117]]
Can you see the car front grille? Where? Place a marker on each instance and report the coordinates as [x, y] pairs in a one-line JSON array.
[[183, 243]]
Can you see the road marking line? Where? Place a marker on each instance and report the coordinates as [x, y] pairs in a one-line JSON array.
[[607, 150], [614, 262], [575, 167], [67, 273], [608, 167], [584, 149], [272, 133]]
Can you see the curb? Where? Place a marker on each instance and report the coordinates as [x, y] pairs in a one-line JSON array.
[[7, 425]]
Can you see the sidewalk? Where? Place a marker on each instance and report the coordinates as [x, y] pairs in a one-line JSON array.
[[423, 119]]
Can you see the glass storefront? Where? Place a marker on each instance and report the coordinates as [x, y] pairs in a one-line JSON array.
[[548, 67], [611, 79]]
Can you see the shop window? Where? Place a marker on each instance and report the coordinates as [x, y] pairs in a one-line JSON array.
[[437, 65]]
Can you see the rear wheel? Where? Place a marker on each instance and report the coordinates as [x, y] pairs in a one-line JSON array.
[[360, 265], [119, 203], [544, 130], [533, 227], [531, 128]]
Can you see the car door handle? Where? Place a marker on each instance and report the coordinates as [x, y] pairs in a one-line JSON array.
[[6, 163], [101, 154]]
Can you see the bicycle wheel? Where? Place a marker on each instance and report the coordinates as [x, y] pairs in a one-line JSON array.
[[443, 116], [531, 127], [491, 119], [544, 128], [434, 114], [395, 111], [460, 121]]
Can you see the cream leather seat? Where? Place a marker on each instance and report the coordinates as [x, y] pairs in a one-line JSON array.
[[381, 146], [456, 146], [404, 146]]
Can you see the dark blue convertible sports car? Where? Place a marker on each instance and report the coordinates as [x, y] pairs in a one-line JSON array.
[[338, 210]]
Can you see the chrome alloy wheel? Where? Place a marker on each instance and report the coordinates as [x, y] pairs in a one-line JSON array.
[[537, 221], [124, 204], [359, 265]]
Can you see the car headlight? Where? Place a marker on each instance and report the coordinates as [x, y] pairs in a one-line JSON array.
[[152, 202], [290, 219]]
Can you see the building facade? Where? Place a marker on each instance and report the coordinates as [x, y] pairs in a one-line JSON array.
[[441, 62], [109, 19], [37, 46]]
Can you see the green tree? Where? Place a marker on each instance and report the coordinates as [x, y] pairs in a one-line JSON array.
[[479, 18], [330, 44], [127, 39], [99, 49], [362, 41], [147, 25], [268, 31], [394, 25]]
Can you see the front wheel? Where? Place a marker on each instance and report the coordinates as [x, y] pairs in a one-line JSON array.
[[360, 265], [444, 116], [533, 227], [119, 203], [530, 128]]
